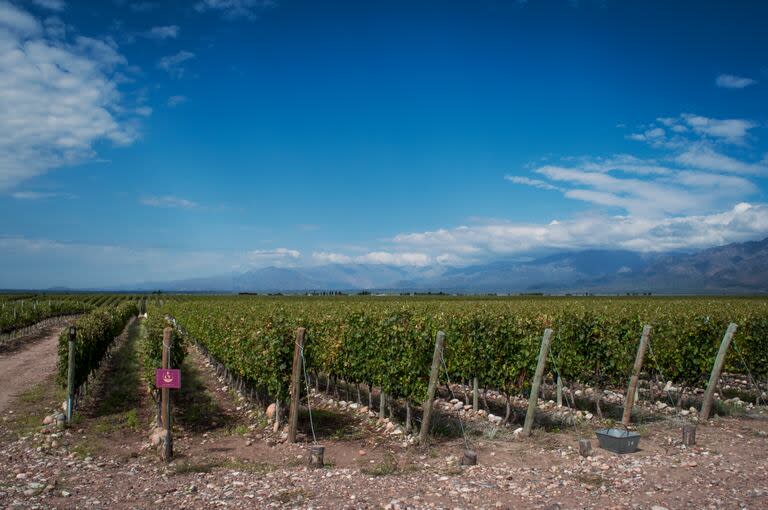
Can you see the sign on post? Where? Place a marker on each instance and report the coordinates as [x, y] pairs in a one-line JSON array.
[[168, 378]]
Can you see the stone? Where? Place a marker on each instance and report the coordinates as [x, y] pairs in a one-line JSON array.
[[270, 411], [48, 420]]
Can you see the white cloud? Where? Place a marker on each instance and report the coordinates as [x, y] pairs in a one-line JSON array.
[[176, 100], [39, 195], [729, 81], [277, 252], [705, 157], [81, 265], [634, 195], [650, 135], [234, 9], [625, 163], [688, 125], [169, 201], [163, 32], [18, 21], [729, 130], [174, 64], [740, 223], [54, 5], [57, 99], [376, 257], [536, 183]]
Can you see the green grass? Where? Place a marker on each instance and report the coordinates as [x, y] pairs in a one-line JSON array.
[[196, 409]]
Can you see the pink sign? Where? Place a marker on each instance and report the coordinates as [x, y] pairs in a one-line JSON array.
[[168, 378]]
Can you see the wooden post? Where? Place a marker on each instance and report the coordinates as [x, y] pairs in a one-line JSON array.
[[382, 403], [316, 454], [475, 395], [689, 434], [408, 424], [629, 401], [427, 407], [166, 397], [469, 458], [559, 391], [706, 406], [71, 373], [585, 447], [293, 416], [533, 399]]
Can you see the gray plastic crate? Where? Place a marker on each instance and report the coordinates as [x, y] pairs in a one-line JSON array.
[[618, 440]]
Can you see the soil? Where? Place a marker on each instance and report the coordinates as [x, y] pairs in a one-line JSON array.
[[29, 365], [227, 456]]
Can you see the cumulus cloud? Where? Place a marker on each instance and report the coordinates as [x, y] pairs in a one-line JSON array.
[[163, 32], [729, 81], [169, 201], [234, 9], [58, 98], [479, 242], [174, 64]]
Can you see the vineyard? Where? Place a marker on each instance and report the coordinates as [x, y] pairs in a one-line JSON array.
[[349, 386], [387, 342], [18, 311]]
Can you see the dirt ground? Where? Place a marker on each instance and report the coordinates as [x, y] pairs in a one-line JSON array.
[[27, 365], [227, 456]]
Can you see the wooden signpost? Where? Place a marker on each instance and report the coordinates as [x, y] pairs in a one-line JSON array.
[[165, 379]]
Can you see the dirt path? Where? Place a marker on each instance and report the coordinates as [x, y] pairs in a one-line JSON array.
[[22, 369]]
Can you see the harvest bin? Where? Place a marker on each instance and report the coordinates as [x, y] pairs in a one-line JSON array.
[[618, 440]]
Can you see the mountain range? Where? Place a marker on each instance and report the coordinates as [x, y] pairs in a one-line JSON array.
[[738, 268]]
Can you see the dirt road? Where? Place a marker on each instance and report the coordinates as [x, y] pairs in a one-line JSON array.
[[22, 369]]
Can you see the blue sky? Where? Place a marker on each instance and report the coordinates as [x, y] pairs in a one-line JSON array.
[[146, 140]]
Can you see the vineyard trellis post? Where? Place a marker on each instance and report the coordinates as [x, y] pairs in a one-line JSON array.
[[534, 397], [475, 394], [71, 372], [165, 394], [295, 392], [427, 408], [706, 406], [629, 401]]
